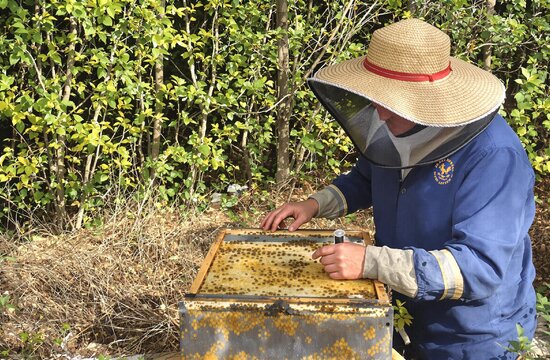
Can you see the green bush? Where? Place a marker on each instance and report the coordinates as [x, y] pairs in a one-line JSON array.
[[99, 99]]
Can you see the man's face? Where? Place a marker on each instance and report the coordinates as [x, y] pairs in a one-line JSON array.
[[395, 123]]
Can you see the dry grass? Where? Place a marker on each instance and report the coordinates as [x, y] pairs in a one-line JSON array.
[[118, 287]]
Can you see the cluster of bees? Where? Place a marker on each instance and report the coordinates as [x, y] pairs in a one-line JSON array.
[[277, 269]]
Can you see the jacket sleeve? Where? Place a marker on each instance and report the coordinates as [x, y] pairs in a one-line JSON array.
[[347, 193], [493, 211]]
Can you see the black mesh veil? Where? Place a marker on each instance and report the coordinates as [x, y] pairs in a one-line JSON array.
[[372, 138]]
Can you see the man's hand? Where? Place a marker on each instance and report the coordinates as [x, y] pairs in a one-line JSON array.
[[302, 212], [342, 261]]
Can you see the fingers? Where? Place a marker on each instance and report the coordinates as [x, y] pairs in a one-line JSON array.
[[299, 211], [329, 259], [280, 217], [332, 268], [266, 221], [342, 261], [302, 212], [337, 276], [323, 251], [337, 271], [299, 221], [275, 218]]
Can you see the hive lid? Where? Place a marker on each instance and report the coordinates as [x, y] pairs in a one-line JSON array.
[[253, 265]]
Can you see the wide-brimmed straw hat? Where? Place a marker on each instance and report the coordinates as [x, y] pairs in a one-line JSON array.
[[408, 69]]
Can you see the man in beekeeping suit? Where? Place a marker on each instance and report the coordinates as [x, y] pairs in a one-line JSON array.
[[450, 186]]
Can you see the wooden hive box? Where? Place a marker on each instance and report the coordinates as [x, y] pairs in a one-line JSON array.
[[259, 295]]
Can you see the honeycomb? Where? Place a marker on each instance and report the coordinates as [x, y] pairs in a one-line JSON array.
[[278, 268]]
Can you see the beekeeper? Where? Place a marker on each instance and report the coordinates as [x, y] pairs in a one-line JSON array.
[[450, 186]]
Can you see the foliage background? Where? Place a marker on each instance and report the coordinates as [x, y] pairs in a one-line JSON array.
[[84, 85]]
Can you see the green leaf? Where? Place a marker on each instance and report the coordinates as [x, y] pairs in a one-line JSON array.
[[38, 195], [204, 149], [519, 97], [111, 11], [14, 58], [20, 126], [107, 21]]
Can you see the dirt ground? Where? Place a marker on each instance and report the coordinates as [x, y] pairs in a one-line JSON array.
[[114, 291]]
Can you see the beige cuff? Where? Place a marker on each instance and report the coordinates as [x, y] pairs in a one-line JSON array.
[[393, 267], [450, 273], [332, 203]]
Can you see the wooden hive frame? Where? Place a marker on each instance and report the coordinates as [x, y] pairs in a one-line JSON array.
[[380, 290]]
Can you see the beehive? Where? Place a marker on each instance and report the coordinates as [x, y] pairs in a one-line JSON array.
[[259, 295]]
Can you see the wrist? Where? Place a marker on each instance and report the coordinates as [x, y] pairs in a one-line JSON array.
[[370, 264], [313, 205], [332, 203]]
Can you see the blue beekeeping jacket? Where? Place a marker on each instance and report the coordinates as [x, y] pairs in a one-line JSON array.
[[478, 204]]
